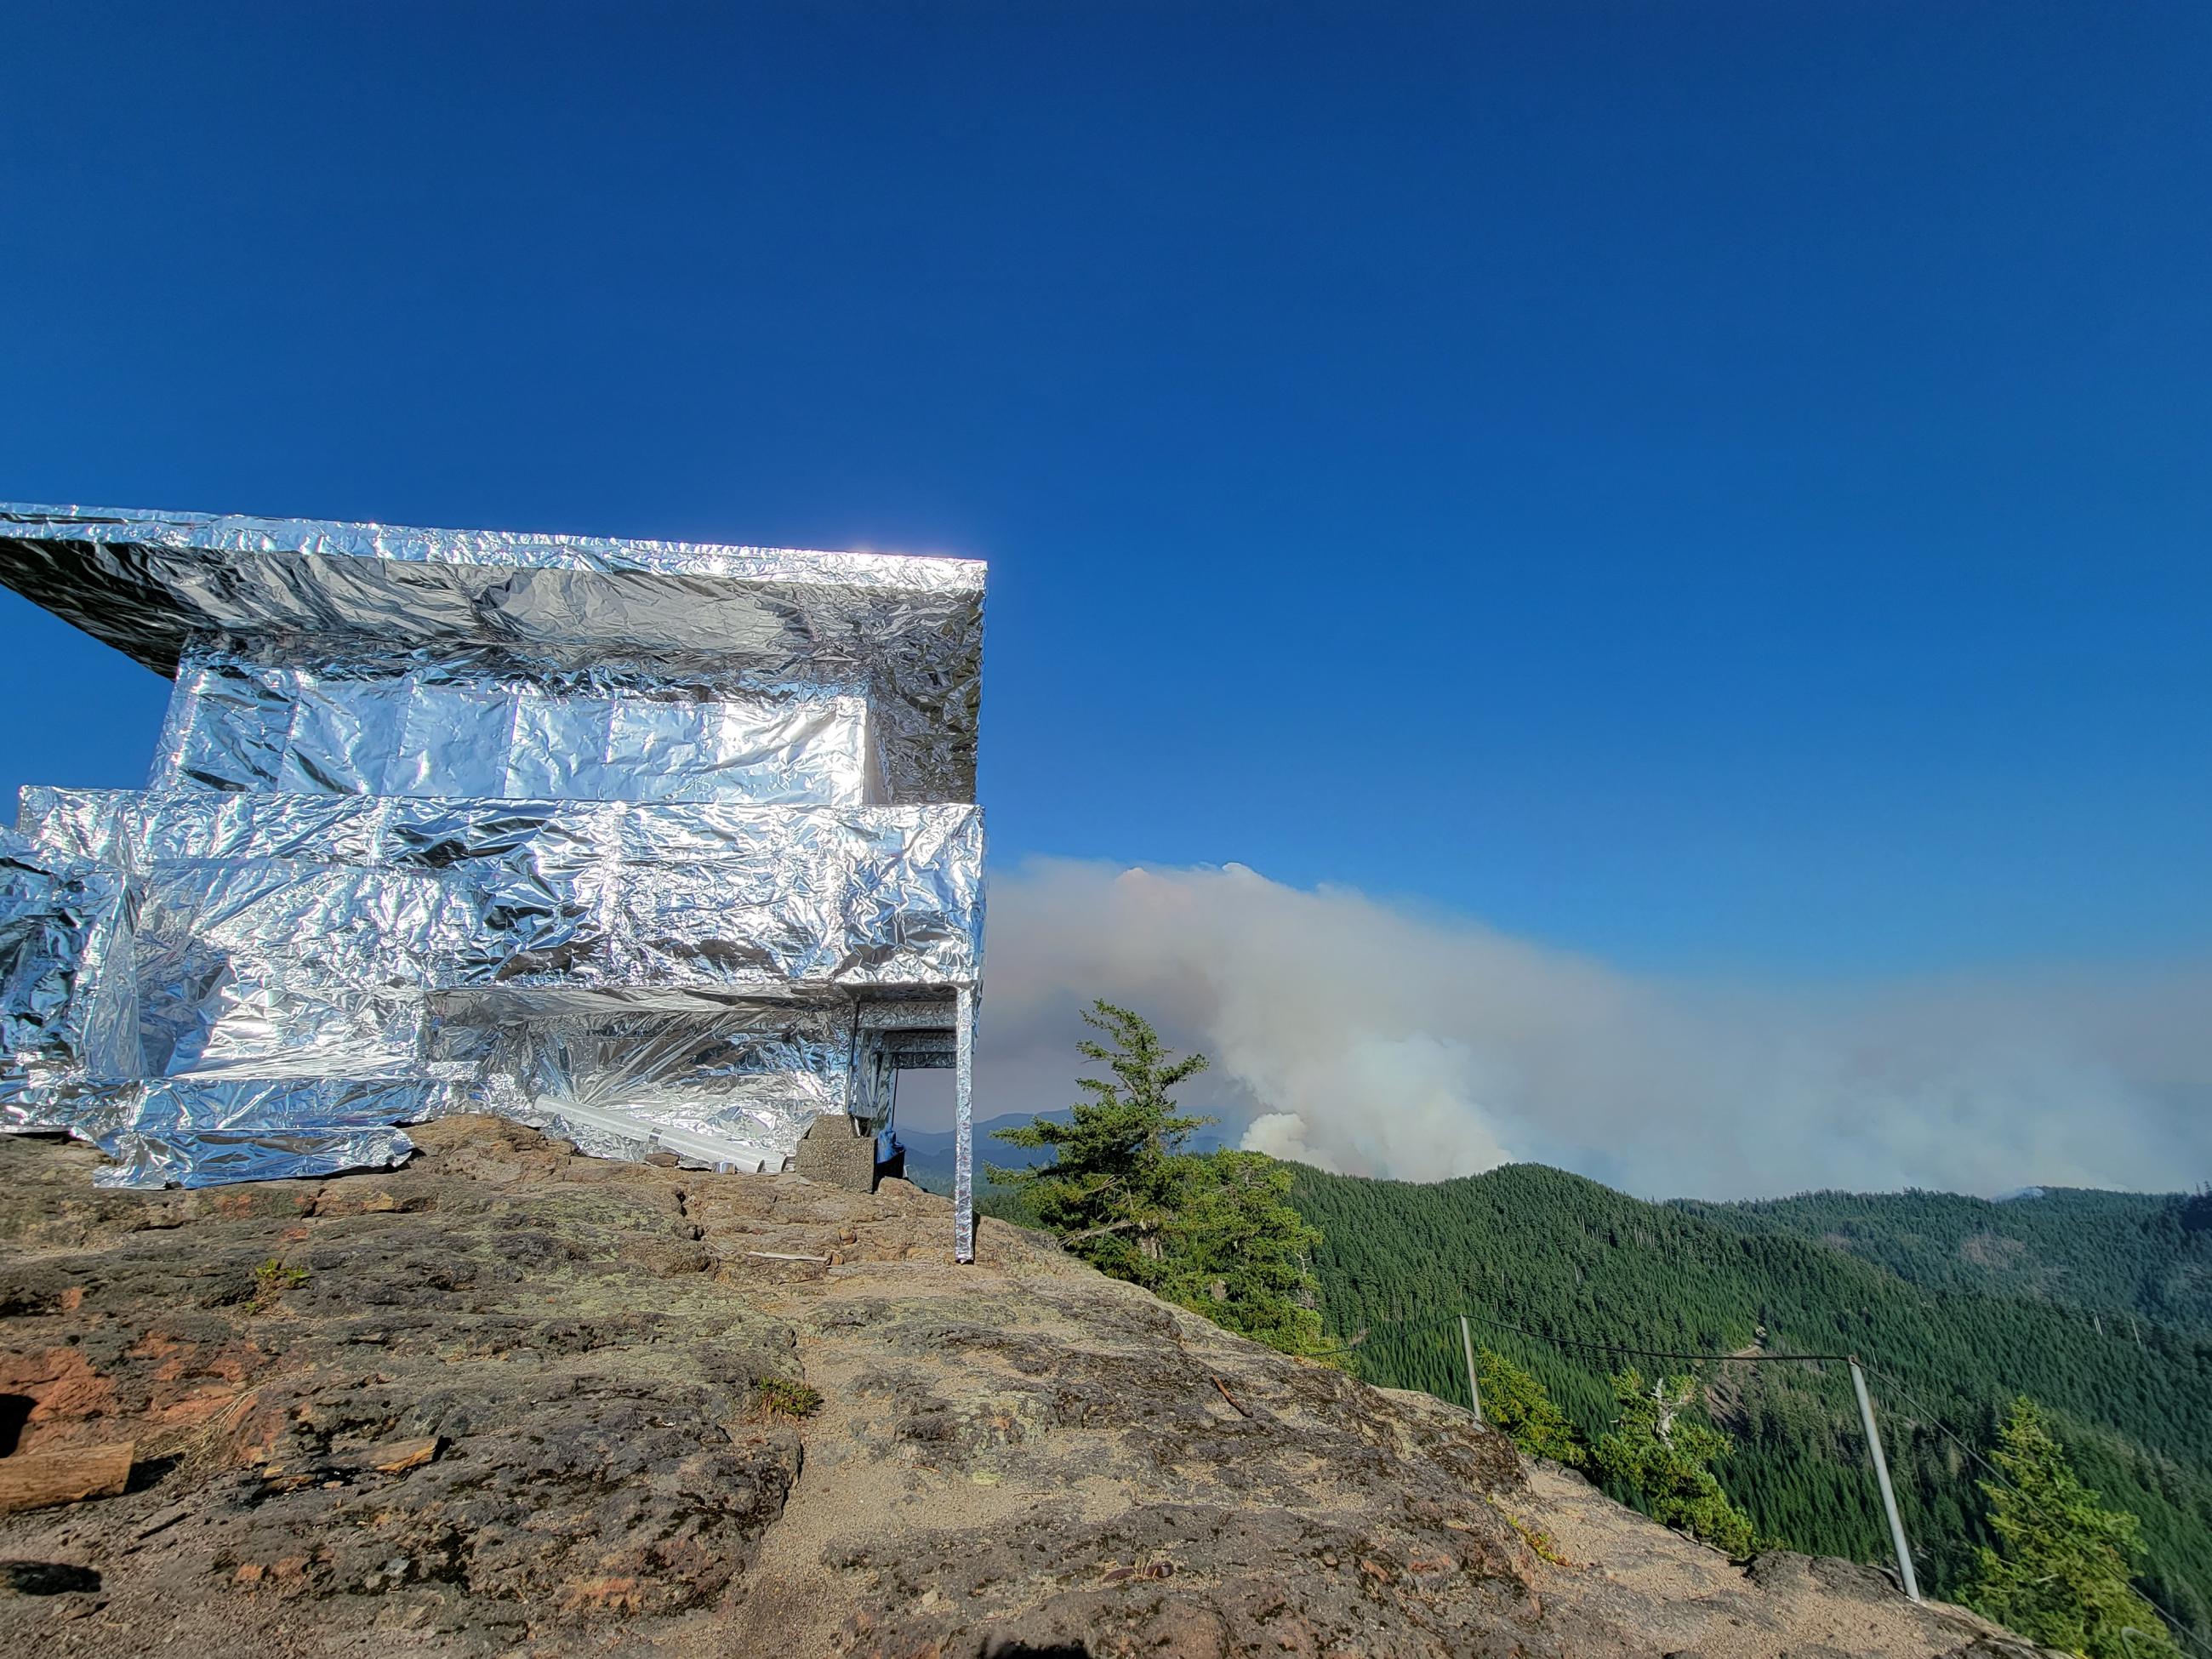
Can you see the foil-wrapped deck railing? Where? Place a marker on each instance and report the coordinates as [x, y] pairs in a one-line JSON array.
[[360, 891], [658, 847]]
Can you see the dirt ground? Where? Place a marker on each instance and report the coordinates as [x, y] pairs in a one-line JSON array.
[[508, 1400]]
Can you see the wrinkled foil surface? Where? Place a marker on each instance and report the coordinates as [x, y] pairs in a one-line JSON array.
[[62, 1021], [905, 633], [658, 847]]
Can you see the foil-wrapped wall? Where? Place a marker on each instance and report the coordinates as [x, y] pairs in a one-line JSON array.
[[63, 1021], [656, 846], [289, 717]]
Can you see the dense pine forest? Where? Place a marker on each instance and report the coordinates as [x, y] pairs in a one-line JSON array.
[[2095, 1306], [2141, 1254]]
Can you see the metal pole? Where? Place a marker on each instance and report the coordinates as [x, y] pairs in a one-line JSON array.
[[1881, 1479], [963, 1149], [1474, 1392]]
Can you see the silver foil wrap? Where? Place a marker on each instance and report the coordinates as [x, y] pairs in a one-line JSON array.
[[654, 845], [62, 1024], [904, 633], [495, 722]]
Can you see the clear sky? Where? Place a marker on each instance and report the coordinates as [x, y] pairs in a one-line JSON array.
[[1720, 487]]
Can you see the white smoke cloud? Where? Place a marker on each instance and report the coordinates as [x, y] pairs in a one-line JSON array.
[[1362, 1037]]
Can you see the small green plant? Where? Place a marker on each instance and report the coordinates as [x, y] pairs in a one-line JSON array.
[[270, 1280], [1534, 1537], [780, 1396]]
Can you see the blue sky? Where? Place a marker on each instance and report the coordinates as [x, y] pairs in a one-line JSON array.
[[1719, 488]]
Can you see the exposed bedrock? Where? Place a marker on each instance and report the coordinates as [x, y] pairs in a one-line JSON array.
[[511, 1400]]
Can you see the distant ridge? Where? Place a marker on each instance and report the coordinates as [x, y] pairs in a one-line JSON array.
[[2103, 1252], [2098, 1304], [930, 1152]]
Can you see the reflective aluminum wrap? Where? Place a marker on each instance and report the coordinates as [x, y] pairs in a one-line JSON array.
[[61, 1026], [654, 845], [500, 722], [904, 633]]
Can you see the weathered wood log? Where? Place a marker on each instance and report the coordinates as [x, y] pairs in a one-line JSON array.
[[38, 1479]]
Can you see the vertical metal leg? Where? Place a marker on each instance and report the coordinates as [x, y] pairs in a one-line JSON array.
[[1881, 1479], [963, 1151], [1474, 1388]]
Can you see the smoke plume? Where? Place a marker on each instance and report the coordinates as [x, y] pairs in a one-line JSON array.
[[1366, 1038]]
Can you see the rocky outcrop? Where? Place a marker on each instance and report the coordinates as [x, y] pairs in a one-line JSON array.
[[512, 1399]]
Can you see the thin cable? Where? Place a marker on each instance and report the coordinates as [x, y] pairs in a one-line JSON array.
[[1633, 1353], [1910, 1398], [1998, 1475]]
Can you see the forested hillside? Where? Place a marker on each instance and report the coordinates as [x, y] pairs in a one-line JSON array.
[[2148, 1255], [1569, 1259]]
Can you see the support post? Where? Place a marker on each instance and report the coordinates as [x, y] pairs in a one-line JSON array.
[[1474, 1390], [964, 1150], [1881, 1479]]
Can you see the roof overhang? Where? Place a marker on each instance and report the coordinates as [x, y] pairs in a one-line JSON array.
[[908, 629]]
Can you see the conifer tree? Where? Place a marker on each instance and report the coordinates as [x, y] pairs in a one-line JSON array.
[[1116, 1178], [1661, 1456], [1214, 1232], [1515, 1402], [1236, 1252], [2061, 1573]]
